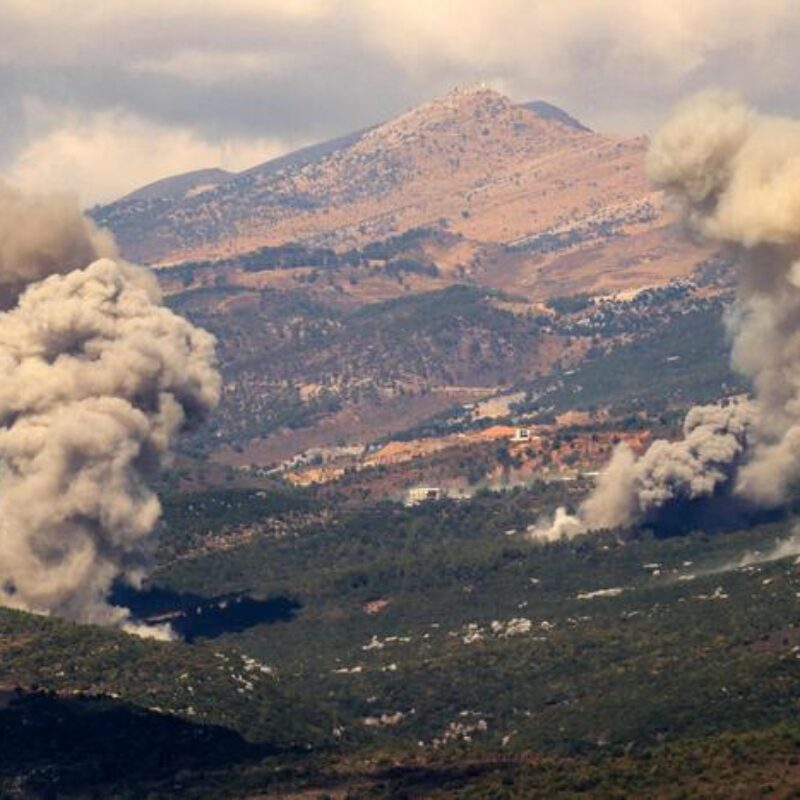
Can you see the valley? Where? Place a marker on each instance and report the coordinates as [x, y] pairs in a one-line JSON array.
[[431, 335], [399, 401]]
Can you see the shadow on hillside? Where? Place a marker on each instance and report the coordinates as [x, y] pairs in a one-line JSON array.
[[195, 617], [718, 514], [55, 746]]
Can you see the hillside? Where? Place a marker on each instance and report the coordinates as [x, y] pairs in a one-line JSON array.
[[528, 194], [364, 285], [288, 359], [306, 368], [179, 185], [433, 652], [382, 285]]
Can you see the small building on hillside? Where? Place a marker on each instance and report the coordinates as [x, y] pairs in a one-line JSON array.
[[422, 494], [521, 435]]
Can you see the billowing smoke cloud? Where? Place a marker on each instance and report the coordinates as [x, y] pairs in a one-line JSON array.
[[630, 490], [42, 235], [735, 176], [98, 380]]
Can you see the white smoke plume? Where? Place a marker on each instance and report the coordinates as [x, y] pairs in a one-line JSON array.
[[98, 380], [630, 490], [735, 176]]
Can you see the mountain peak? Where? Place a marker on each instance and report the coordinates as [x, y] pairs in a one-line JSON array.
[[449, 108], [472, 115], [458, 157], [474, 94]]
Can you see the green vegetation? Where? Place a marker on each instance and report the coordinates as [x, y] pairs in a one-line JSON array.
[[285, 342], [442, 624], [190, 518], [292, 357], [573, 682], [682, 361], [396, 254], [434, 650], [200, 682], [570, 304]]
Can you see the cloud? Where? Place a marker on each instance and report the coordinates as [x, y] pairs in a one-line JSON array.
[[305, 70], [69, 31], [107, 154], [595, 54], [215, 67]]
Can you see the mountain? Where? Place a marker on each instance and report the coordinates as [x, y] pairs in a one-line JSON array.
[[471, 305], [364, 285], [361, 286], [521, 189], [188, 184]]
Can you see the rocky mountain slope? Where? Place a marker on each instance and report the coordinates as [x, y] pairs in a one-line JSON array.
[[534, 201], [363, 285]]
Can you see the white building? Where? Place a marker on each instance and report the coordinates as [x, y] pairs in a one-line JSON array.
[[521, 435], [421, 494]]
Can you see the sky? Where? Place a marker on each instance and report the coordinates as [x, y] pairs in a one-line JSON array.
[[100, 97]]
